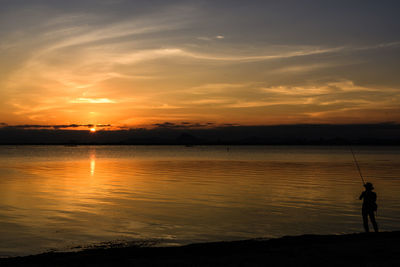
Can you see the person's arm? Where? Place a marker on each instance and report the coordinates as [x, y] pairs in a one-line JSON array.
[[362, 195]]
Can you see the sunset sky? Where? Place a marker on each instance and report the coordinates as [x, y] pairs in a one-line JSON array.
[[135, 63]]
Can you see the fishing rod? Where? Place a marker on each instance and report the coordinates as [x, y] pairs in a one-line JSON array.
[[358, 167]]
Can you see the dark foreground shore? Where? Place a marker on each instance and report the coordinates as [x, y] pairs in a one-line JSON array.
[[382, 249]]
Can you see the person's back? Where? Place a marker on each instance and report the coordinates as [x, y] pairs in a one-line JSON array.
[[369, 198], [369, 206]]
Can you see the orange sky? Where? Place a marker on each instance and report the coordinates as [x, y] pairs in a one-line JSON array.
[[125, 65]]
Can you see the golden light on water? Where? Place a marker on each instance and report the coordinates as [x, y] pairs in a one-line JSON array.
[[92, 163], [109, 192]]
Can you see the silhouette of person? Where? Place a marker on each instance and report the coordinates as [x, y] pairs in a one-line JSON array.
[[369, 206]]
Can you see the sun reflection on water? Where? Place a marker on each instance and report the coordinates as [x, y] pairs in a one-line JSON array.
[[92, 162]]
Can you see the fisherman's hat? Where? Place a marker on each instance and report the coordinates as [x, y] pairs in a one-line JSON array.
[[369, 186]]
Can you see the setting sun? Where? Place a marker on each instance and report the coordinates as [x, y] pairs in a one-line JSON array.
[[93, 130]]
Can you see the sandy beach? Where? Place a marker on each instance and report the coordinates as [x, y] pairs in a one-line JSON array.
[[307, 250]]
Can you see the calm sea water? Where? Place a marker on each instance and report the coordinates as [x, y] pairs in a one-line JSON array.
[[55, 197]]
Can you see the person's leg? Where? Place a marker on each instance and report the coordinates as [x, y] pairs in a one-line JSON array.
[[365, 220], [372, 217]]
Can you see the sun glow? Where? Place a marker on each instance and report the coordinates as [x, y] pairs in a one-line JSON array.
[[92, 130]]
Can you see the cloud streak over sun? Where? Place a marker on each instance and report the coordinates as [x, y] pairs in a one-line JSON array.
[[144, 64]]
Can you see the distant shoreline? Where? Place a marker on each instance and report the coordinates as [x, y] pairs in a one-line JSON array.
[[354, 134], [372, 249]]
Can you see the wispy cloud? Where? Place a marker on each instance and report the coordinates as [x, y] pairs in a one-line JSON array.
[[327, 88], [55, 126], [217, 87], [93, 100], [304, 68], [184, 125], [259, 57], [205, 38]]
